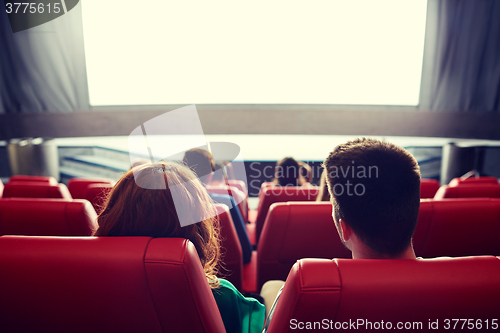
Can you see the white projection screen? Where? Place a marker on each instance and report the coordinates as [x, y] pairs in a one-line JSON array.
[[360, 52]]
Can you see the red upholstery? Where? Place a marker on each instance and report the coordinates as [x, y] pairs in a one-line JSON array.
[[428, 188], [238, 196], [391, 291], [271, 194], [105, 284], [46, 217], [78, 186], [468, 191], [239, 184], [25, 189], [293, 231], [458, 227], [21, 178], [473, 180], [96, 194], [232, 254]]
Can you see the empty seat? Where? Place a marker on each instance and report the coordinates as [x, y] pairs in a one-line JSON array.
[[232, 254], [293, 231], [22, 178], [46, 217], [96, 194], [78, 186], [104, 284], [271, 194], [458, 227], [409, 293], [468, 191], [473, 180], [26, 189], [428, 188]]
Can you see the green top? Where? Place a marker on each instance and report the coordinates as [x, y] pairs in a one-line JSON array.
[[240, 314]]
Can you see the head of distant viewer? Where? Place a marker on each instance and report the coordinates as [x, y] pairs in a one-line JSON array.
[[201, 162], [148, 209], [375, 192], [287, 173]]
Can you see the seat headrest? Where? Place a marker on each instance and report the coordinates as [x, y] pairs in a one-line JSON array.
[[482, 190], [78, 186], [393, 291], [458, 227], [25, 189], [473, 180], [46, 217], [105, 284], [22, 178]]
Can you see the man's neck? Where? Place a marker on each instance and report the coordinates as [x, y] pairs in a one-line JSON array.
[[363, 252]]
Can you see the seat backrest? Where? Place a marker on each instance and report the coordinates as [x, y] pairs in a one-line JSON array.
[[271, 194], [473, 180], [238, 196], [296, 230], [458, 227], [96, 195], [25, 189], [232, 254], [46, 217], [483, 190], [371, 293], [428, 188], [78, 186], [104, 284], [22, 178], [239, 184]]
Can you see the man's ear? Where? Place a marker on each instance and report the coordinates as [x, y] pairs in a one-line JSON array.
[[346, 230]]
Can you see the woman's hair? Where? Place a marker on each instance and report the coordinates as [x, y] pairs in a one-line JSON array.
[[142, 204], [287, 173]]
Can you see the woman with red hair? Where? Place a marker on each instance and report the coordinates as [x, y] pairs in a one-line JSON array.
[[142, 204]]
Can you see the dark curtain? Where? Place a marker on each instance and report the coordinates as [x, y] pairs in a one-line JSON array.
[[43, 69], [461, 69]]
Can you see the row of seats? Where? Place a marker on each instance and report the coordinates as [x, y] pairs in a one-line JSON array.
[[78, 284], [292, 231]]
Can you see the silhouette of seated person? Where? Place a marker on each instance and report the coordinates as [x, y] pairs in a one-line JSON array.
[[288, 173]]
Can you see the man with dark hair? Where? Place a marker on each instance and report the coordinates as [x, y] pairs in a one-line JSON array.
[[202, 163], [375, 193], [375, 190]]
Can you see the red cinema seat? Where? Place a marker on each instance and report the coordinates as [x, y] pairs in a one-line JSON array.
[[46, 217], [232, 254], [238, 196], [409, 293], [458, 227], [96, 194], [473, 180], [78, 186], [293, 231], [240, 185], [25, 189], [104, 284], [468, 191], [271, 194], [428, 188], [41, 179]]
